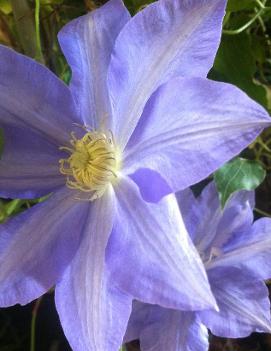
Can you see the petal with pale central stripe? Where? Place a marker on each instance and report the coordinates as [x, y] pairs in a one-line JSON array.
[[150, 254], [93, 311]]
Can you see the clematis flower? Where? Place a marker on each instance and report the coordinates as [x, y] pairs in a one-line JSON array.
[[236, 254], [132, 127]]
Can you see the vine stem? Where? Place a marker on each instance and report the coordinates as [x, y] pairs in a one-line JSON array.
[[33, 324], [245, 26], [263, 213], [39, 55], [262, 9]]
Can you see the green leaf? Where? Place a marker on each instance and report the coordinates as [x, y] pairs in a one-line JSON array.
[[136, 5], [259, 49], [238, 5], [236, 64], [25, 26], [238, 174], [5, 6], [3, 214], [13, 206]]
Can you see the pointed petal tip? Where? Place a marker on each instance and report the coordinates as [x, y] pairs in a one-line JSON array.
[[267, 122], [265, 326], [207, 300], [268, 328], [210, 303]]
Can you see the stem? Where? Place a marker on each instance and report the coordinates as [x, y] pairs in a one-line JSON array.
[[39, 55], [262, 212], [24, 23], [260, 4], [226, 18], [263, 145], [33, 324], [13, 205], [245, 26]]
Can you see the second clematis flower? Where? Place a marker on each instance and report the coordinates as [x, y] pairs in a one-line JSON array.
[[236, 255], [133, 126]]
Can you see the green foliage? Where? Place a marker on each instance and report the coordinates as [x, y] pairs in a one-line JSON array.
[[243, 58], [136, 5], [238, 5], [24, 25], [5, 6], [236, 64], [9, 208], [14, 207], [238, 174]]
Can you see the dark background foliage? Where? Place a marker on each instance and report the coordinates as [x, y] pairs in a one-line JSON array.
[[243, 59]]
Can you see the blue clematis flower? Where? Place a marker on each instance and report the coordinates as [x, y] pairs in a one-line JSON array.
[[132, 127], [236, 254]]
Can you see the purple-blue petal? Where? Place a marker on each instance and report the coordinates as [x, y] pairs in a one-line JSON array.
[[150, 255], [93, 311], [37, 113], [167, 38], [151, 185], [160, 329], [250, 248], [32, 97], [190, 127], [87, 43], [190, 208], [37, 245], [29, 166], [209, 225], [243, 303]]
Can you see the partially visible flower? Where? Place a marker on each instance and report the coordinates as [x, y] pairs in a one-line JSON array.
[[126, 124], [237, 256]]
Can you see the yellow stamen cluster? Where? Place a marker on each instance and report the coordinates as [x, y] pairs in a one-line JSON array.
[[91, 164]]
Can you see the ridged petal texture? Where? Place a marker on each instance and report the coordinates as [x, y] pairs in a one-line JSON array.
[[98, 311], [37, 245], [87, 43], [165, 40], [189, 128]]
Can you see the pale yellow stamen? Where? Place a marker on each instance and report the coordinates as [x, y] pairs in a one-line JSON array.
[[92, 163]]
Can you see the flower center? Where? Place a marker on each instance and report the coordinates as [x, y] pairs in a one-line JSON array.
[[92, 163]]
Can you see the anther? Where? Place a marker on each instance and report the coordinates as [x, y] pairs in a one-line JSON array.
[[91, 164]]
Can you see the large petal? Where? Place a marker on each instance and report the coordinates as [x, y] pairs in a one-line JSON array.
[[150, 255], [37, 114], [251, 248], [32, 97], [29, 166], [161, 329], [243, 303], [87, 43], [93, 312], [37, 245], [166, 39], [190, 127]]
